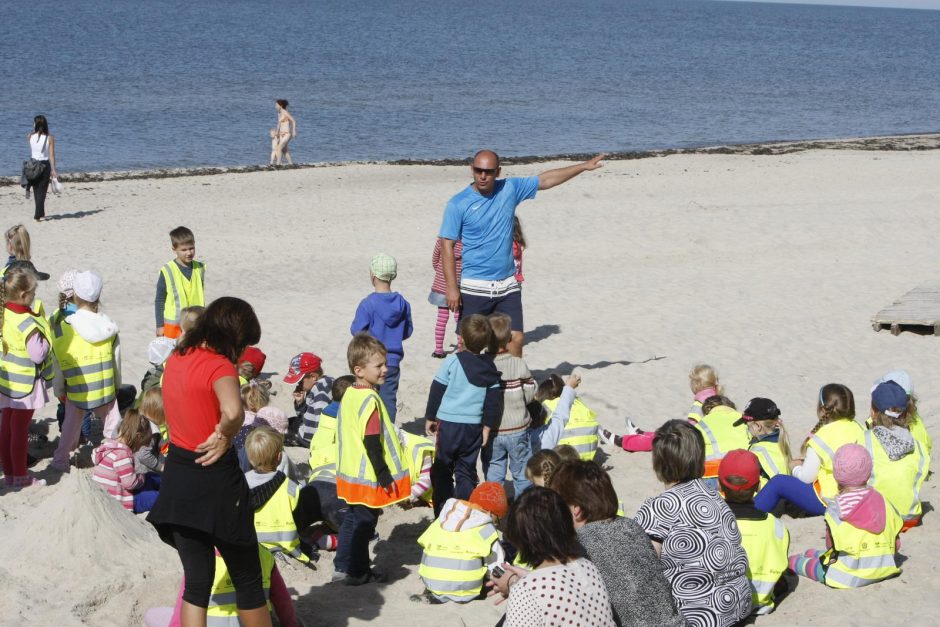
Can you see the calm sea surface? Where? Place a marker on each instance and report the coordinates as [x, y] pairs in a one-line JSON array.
[[136, 85]]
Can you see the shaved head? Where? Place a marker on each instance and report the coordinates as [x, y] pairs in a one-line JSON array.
[[486, 155]]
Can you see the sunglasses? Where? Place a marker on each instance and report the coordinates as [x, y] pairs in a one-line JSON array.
[[487, 171]]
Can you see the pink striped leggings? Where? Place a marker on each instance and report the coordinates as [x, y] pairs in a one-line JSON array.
[[443, 313]]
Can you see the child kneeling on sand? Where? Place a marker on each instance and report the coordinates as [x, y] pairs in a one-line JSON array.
[[861, 529], [115, 468], [461, 544]]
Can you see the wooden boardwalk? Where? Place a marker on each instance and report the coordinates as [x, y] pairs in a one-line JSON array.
[[918, 308]]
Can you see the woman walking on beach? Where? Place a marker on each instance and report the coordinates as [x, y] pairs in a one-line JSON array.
[[281, 135], [42, 148], [203, 503]]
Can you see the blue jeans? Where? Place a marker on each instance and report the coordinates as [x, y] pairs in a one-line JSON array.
[[355, 532], [512, 449], [146, 495], [388, 391]]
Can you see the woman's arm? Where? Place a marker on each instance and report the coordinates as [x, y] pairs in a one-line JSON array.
[[52, 156], [293, 125], [230, 421]]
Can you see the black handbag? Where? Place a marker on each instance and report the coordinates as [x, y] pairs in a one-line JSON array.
[[33, 169]]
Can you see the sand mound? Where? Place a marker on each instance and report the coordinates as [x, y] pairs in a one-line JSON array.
[[73, 552]]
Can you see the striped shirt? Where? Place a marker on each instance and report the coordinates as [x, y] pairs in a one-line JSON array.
[[114, 471], [440, 283], [518, 390]]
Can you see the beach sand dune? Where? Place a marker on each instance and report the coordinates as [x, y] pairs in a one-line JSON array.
[[767, 267]]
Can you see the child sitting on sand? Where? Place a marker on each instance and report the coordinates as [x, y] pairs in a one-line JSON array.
[[557, 399], [311, 394], [861, 529], [722, 431], [282, 509], [461, 544], [115, 468], [250, 364], [764, 537], [703, 381], [541, 466], [768, 438], [438, 295], [916, 425], [151, 408]]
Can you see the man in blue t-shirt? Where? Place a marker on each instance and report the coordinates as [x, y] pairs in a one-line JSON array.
[[481, 217]]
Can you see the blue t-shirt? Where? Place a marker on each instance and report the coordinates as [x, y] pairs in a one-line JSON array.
[[484, 225]]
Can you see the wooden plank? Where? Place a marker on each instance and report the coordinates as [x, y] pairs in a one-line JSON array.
[[918, 307]]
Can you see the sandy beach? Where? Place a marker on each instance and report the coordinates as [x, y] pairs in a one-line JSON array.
[[767, 266]]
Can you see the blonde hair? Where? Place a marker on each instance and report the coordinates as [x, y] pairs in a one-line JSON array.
[[189, 316], [15, 285], [18, 242], [134, 430], [255, 396], [703, 377], [361, 348], [542, 466], [567, 453], [151, 405], [836, 402], [783, 440], [263, 446]]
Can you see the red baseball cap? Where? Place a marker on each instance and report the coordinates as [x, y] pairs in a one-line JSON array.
[[255, 357], [301, 365], [739, 463]]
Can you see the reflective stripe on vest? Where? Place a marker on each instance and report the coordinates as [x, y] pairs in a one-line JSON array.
[[18, 373], [859, 557], [323, 444], [222, 609], [772, 460], [274, 522], [356, 482], [919, 431], [766, 543], [580, 431], [721, 435], [453, 563], [88, 367], [901, 480], [826, 442], [695, 414], [180, 291], [417, 448]]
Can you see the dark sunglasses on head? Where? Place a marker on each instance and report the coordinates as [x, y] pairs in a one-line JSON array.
[[488, 171]]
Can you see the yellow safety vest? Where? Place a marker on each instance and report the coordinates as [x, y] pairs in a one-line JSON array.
[[180, 291], [695, 413], [898, 481], [721, 435], [418, 448], [356, 482], [826, 442], [274, 522], [323, 446], [766, 543], [222, 611], [772, 460], [18, 373], [88, 367], [580, 430], [858, 557], [919, 431], [453, 563]]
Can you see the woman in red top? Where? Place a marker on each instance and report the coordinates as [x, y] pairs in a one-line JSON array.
[[203, 502]]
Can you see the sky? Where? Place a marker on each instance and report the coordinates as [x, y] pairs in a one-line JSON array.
[[898, 4]]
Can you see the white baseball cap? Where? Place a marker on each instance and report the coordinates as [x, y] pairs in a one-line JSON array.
[[87, 286]]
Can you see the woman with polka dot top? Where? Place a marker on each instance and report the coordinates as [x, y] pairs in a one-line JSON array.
[[564, 588]]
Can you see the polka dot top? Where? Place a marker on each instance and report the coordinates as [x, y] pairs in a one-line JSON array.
[[569, 594]]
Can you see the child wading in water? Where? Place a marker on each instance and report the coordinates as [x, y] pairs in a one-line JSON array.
[[438, 295]]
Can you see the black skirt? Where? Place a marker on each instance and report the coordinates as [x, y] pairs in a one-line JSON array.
[[212, 499]]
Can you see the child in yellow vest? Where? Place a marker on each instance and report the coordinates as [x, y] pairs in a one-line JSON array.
[[900, 461], [703, 381], [88, 367], [556, 400], [282, 508], [769, 439], [25, 367], [180, 284], [764, 537], [370, 468], [722, 431], [812, 485], [916, 423], [861, 529], [461, 544]]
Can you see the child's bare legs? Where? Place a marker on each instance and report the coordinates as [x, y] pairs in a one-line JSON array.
[[282, 150]]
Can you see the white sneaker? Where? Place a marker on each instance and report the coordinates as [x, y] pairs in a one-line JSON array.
[[605, 436], [631, 428]]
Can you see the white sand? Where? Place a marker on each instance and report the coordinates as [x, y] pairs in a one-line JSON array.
[[768, 267]]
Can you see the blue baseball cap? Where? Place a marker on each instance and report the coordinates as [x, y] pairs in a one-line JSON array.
[[889, 395]]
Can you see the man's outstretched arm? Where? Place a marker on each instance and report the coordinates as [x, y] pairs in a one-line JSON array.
[[551, 178]]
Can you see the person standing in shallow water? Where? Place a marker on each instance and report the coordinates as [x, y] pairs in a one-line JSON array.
[[481, 216], [281, 134]]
